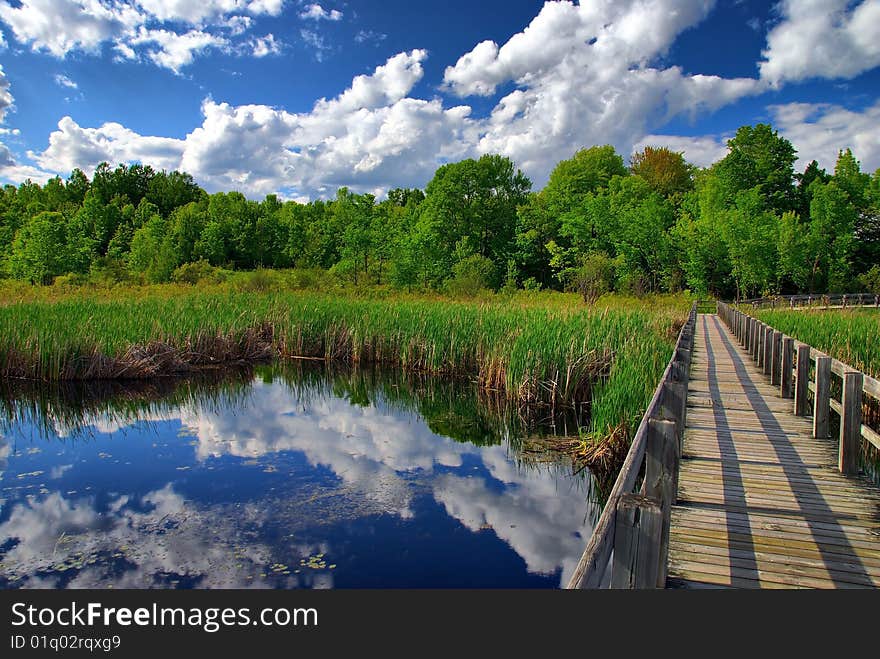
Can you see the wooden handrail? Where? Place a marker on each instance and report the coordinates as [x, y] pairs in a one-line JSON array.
[[814, 301], [634, 527], [794, 361]]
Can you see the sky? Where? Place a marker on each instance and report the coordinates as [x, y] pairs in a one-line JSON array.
[[298, 98]]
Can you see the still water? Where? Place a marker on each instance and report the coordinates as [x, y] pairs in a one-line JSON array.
[[284, 479]]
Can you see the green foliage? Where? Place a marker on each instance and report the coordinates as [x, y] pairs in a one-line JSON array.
[[472, 201], [471, 275], [759, 157], [39, 250], [665, 171], [258, 281], [871, 280], [747, 225], [593, 278], [194, 273]]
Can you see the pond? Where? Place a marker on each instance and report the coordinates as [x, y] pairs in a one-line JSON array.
[[285, 478]]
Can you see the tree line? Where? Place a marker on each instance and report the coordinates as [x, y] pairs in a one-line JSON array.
[[747, 225]]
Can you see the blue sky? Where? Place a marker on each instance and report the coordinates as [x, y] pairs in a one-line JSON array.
[[231, 90]]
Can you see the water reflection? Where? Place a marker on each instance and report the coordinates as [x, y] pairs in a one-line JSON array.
[[283, 479]]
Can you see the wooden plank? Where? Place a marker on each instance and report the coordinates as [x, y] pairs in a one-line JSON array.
[[761, 503], [833, 576], [758, 523], [776, 359], [847, 567], [735, 573], [871, 436]]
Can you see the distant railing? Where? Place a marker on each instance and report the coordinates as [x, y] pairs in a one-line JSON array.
[[825, 301], [634, 527], [804, 373]]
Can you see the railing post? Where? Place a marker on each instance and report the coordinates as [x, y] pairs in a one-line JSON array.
[[673, 404], [661, 480], [636, 542], [768, 349], [756, 351], [786, 364], [776, 360], [850, 422], [822, 396], [802, 381], [753, 342], [759, 350]]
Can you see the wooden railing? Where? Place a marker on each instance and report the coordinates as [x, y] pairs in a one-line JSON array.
[[826, 301], [634, 526], [804, 374]]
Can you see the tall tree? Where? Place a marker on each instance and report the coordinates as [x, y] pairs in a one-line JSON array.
[[759, 157], [39, 250], [665, 171]]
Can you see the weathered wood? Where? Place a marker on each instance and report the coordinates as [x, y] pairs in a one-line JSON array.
[[802, 381], [776, 359], [871, 436], [822, 396], [758, 351], [768, 350], [636, 542], [761, 502], [786, 389], [661, 480], [592, 566], [850, 422], [872, 387], [673, 404]]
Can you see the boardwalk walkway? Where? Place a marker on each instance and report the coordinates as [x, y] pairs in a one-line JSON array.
[[760, 502]]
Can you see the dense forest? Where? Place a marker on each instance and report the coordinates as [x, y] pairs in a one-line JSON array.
[[747, 225]]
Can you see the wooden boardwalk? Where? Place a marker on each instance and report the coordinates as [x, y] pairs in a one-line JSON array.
[[761, 503]]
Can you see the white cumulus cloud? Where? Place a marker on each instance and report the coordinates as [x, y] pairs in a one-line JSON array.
[[197, 12], [174, 51], [73, 146], [585, 74], [170, 33], [59, 26], [577, 75], [267, 45], [823, 38], [819, 130]]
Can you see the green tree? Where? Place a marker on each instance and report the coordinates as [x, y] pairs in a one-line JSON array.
[[665, 171], [39, 250], [474, 201], [830, 237], [758, 157], [751, 235]]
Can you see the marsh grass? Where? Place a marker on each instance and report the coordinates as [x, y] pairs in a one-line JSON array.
[[538, 351]]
